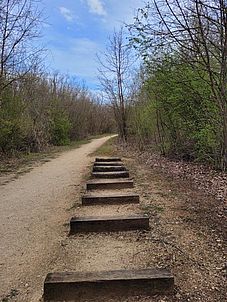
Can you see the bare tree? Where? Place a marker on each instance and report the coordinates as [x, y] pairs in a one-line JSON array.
[[115, 77], [19, 26]]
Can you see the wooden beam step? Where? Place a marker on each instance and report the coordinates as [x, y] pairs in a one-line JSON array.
[[108, 168], [106, 159], [118, 198], [116, 174], [114, 163], [102, 184], [80, 286], [108, 224]]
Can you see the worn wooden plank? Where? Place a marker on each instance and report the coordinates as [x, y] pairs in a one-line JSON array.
[[106, 159], [115, 163], [108, 168], [116, 174], [117, 198], [103, 184], [108, 223], [79, 286]]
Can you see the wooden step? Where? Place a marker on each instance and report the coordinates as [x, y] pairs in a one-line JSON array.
[[108, 223], [106, 159], [80, 286], [102, 184], [114, 163], [108, 168], [118, 198], [116, 174]]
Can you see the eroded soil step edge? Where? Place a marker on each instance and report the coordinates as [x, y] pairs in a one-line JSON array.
[[102, 184], [116, 174], [79, 286], [105, 159], [108, 168], [108, 223], [92, 199], [115, 163]]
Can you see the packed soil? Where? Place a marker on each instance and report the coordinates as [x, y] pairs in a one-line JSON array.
[[185, 233], [34, 212]]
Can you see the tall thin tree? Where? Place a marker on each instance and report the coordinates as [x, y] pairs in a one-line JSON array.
[[115, 77]]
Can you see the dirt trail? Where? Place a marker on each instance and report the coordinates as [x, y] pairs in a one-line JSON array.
[[33, 211]]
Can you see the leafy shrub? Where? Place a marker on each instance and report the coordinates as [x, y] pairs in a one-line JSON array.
[[60, 128]]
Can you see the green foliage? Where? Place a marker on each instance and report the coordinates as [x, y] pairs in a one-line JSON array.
[[60, 128], [178, 112], [185, 78], [14, 124]]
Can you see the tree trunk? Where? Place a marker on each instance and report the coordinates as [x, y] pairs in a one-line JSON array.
[[224, 143]]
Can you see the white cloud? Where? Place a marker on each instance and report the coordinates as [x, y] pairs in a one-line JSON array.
[[66, 13], [96, 7]]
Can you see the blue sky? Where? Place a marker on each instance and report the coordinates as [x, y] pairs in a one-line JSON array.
[[76, 30]]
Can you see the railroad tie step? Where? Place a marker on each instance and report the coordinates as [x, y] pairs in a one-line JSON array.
[[108, 168], [116, 174], [114, 163], [108, 223], [122, 198], [73, 286], [106, 159], [102, 184]]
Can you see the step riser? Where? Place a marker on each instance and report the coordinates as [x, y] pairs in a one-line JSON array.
[[109, 200], [105, 186], [115, 225], [94, 290], [111, 175], [108, 169], [111, 159], [114, 290], [108, 164]]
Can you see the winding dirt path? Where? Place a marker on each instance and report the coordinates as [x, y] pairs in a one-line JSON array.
[[33, 211]]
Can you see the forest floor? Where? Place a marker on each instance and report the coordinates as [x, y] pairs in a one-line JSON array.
[[186, 228], [187, 206]]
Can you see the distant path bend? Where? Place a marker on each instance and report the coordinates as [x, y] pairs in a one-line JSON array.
[[33, 210]]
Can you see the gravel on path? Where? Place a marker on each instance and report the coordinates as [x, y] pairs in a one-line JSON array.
[[33, 212]]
